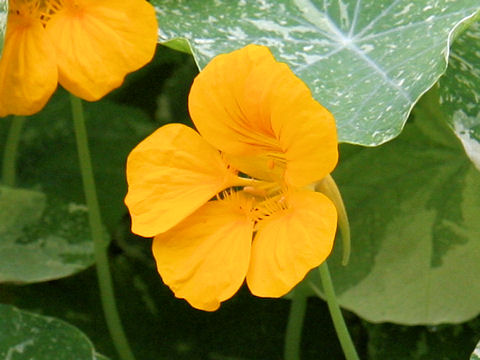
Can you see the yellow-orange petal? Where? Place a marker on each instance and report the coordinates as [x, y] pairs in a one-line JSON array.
[[290, 243], [204, 259], [170, 174], [98, 42], [28, 71], [257, 111]]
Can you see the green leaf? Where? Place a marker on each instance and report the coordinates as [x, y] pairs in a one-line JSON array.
[[413, 206], [3, 22], [26, 335], [476, 353], [460, 91], [41, 238], [368, 61]]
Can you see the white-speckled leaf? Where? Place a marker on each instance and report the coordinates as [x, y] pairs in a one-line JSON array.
[[3, 22], [27, 336], [414, 208], [41, 238], [476, 353], [460, 91], [368, 61]]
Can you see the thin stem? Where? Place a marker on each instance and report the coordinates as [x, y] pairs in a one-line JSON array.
[[101, 255], [294, 326], [336, 314], [9, 168], [329, 187]]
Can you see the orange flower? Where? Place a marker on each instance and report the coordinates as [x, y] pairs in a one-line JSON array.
[[215, 226], [88, 46]]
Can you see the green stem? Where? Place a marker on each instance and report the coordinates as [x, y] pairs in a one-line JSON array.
[[295, 325], [10, 152], [101, 245], [329, 187], [336, 314]]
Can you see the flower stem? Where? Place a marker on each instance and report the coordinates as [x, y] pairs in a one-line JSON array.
[[329, 187], [295, 324], [100, 243], [336, 314], [10, 151]]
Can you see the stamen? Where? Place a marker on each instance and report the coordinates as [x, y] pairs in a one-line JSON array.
[[26, 8], [240, 201], [49, 9], [41, 10], [270, 206]]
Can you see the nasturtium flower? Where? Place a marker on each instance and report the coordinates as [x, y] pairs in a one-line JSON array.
[[88, 46], [234, 200]]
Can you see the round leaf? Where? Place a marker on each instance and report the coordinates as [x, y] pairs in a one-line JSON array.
[[367, 61], [29, 336], [41, 238], [413, 206]]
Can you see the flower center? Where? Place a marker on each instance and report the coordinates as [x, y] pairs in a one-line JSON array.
[[24, 9], [33, 10]]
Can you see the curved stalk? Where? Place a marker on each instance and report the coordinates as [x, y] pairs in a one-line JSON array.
[[336, 314], [296, 317], [329, 187], [100, 243]]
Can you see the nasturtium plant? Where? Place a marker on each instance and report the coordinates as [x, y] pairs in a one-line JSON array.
[[367, 61], [26, 335], [402, 74]]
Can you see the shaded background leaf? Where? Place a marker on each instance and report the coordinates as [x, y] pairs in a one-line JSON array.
[[413, 206], [48, 157], [41, 238], [367, 61], [26, 335]]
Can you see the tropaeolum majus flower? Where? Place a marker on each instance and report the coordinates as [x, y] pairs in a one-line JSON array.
[[234, 200], [88, 46]]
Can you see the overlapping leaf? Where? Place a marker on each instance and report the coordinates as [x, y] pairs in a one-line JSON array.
[[368, 61], [26, 335], [460, 91], [413, 206], [41, 238]]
